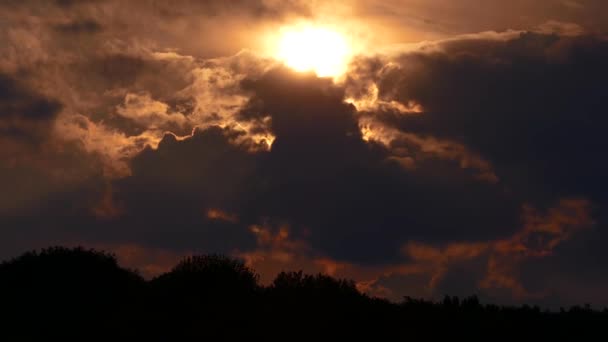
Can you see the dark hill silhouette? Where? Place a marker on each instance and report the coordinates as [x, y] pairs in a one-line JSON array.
[[85, 294]]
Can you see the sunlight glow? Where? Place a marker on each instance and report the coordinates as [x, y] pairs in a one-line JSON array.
[[318, 49]]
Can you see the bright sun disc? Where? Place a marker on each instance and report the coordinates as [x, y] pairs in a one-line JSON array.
[[314, 49]]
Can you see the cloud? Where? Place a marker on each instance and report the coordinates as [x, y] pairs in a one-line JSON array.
[[113, 147], [256, 8], [82, 26], [318, 172], [277, 250], [219, 215], [509, 101], [149, 262], [560, 28], [153, 93], [437, 19], [573, 4], [25, 115], [145, 111], [538, 238], [70, 3], [406, 148]]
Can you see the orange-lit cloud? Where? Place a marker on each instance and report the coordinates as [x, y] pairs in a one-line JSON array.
[[369, 101], [372, 130], [113, 147], [150, 262], [107, 208], [219, 215], [144, 110], [539, 236], [216, 101]]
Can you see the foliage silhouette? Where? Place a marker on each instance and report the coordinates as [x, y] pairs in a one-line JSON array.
[[61, 292]]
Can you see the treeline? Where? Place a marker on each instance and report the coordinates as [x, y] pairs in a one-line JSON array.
[[85, 294]]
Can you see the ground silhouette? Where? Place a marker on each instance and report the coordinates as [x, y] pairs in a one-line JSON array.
[[84, 294]]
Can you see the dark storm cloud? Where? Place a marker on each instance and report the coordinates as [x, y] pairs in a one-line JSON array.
[[81, 26], [257, 8], [19, 102], [186, 7], [70, 3], [24, 114], [442, 18], [534, 106], [33, 166], [320, 177], [198, 28], [166, 203]]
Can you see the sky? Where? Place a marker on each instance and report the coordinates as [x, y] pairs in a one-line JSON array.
[[428, 147]]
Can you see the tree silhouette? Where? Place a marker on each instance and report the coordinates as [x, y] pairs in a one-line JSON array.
[[313, 288], [71, 289], [211, 272], [63, 292], [215, 289]]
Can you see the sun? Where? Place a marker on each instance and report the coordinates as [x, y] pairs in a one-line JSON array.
[[318, 49]]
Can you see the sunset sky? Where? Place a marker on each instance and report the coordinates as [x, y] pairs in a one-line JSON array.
[[418, 147]]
